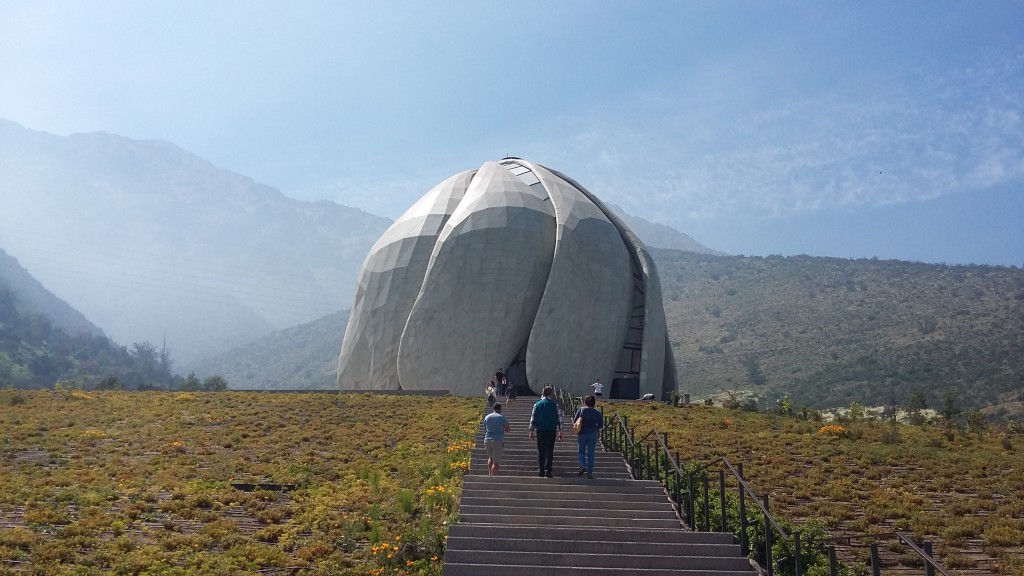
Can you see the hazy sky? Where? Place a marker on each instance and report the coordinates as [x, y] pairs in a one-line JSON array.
[[850, 129]]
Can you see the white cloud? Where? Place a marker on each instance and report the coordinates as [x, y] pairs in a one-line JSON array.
[[905, 140]]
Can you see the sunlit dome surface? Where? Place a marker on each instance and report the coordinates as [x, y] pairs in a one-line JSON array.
[[511, 266]]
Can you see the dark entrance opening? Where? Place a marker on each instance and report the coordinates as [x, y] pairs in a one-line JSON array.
[[625, 389], [516, 374]]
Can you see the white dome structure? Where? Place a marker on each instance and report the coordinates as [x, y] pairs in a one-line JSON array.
[[511, 266]]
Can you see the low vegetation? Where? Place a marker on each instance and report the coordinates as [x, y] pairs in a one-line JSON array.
[[36, 353], [108, 482], [99, 482], [959, 487], [828, 331]]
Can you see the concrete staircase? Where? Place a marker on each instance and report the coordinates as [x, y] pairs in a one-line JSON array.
[[518, 524]]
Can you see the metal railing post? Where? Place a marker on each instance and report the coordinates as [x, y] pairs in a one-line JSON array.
[[668, 461], [929, 568], [767, 538], [657, 461], [833, 568], [721, 499], [631, 449], [875, 568], [644, 459], [797, 554], [678, 488], [615, 433], [744, 546], [707, 504], [676, 495], [689, 502]]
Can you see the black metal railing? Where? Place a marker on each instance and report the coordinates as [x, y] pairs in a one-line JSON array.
[[871, 540], [567, 403], [740, 510]]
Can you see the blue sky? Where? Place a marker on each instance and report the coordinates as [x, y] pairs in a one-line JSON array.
[[852, 129]]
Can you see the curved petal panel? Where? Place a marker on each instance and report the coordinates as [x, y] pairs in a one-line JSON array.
[[484, 282], [651, 373], [388, 284], [582, 319]]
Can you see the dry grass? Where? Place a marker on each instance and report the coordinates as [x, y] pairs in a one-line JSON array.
[[965, 495], [228, 483]]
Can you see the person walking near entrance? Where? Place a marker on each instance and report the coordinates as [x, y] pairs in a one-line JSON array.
[[545, 424], [495, 426], [510, 393], [598, 387], [593, 420], [489, 391]]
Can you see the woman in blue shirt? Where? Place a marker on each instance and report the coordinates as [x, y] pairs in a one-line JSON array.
[[593, 420]]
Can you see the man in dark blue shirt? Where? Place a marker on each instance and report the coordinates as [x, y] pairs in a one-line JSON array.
[[545, 423]]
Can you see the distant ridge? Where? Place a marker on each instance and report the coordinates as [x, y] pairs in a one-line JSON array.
[[31, 297], [303, 357], [150, 241], [662, 236]]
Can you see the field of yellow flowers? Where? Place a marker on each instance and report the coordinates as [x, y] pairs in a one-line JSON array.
[[963, 491], [229, 483]]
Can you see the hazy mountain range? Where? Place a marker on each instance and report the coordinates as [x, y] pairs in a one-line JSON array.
[[31, 297], [155, 244], [150, 242]]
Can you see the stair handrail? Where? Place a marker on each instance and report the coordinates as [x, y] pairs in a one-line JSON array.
[[666, 469], [567, 403], [924, 550], [617, 435]]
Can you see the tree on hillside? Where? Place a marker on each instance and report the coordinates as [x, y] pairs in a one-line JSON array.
[[754, 373], [950, 410], [976, 422], [8, 313], [110, 383], [215, 383], [916, 404], [151, 368], [191, 383]]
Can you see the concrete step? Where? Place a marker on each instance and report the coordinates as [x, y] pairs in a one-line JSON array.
[[635, 503], [486, 541], [562, 473], [597, 522], [591, 534], [569, 485], [568, 509], [560, 469], [573, 483], [525, 443], [565, 558], [460, 569], [531, 448], [514, 455]]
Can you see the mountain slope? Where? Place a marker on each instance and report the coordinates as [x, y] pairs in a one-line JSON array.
[[828, 331], [661, 236], [30, 297], [43, 342], [303, 357], [152, 242]]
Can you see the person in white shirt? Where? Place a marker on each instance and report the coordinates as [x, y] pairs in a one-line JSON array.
[[597, 386]]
